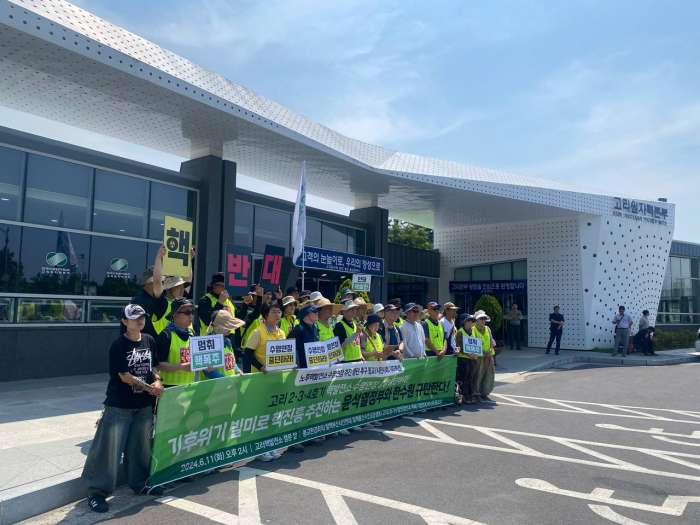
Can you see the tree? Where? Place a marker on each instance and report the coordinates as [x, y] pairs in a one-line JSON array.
[[490, 305], [408, 234]]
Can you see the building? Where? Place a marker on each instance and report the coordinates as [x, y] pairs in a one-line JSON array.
[[79, 226]]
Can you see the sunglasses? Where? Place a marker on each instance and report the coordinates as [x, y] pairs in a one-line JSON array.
[[186, 312]]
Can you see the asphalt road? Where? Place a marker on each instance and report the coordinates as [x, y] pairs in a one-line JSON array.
[[586, 446]]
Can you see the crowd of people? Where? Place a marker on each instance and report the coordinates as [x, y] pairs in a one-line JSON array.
[[152, 353]]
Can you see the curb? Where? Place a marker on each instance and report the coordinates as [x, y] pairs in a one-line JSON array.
[[614, 361]]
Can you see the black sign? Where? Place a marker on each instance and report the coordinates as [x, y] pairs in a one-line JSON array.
[[238, 270], [272, 266]]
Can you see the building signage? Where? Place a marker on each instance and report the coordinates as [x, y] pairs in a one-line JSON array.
[[640, 211], [118, 269], [341, 262], [56, 264], [488, 286]]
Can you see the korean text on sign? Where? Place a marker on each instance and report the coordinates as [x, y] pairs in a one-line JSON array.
[[472, 345], [206, 352], [316, 354], [281, 354], [177, 238]]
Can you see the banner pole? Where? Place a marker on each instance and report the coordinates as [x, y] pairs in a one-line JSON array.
[[303, 260]]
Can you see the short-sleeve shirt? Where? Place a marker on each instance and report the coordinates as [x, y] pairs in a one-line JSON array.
[[555, 317], [137, 358]]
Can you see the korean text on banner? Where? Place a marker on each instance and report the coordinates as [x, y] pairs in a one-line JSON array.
[[177, 238], [472, 345], [238, 270], [206, 351], [335, 351], [316, 354], [271, 271], [209, 424], [280, 354], [361, 282]]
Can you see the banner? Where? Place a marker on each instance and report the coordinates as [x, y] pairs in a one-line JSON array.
[[341, 262], [177, 238], [206, 351], [472, 345], [217, 422], [238, 270], [280, 354], [271, 271]]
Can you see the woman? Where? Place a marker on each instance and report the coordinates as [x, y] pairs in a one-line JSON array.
[[486, 373], [371, 343], [224, 323], [467, 363], [289, 319]]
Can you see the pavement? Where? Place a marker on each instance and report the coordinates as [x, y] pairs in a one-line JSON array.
[[46, 427]]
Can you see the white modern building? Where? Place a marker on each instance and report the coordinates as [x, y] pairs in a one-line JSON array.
[[531, 241]]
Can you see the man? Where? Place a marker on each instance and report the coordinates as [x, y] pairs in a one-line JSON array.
[[126, 424], [412, 332], [393, 340], [641, 340], [250, 313], [623, 326], [556, 328], [347, 331], [467, 364], [514, 318], [305, 332], [293, 291], [435, 342], [399, 306], [152, 290], [346, 295], [449, 327], [326, 312], [215, 299], [174, 345], [174, 288]]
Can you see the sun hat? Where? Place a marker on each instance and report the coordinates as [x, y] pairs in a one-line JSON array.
[[286, 301], [306, 310], [390, 307], [133, 311], [411, 306], [479, 314], [171, 281], [323, 302], [347, 291], [315, 296], [348, 305], [464, 318], [377, 308], [450, 306], [224, 322]]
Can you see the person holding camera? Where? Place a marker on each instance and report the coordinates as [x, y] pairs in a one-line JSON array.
[[623, 327]]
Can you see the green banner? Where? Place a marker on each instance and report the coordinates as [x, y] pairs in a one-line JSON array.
[[221, 421]]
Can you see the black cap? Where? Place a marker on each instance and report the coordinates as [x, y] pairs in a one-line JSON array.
[[178, 304], [464, 318], [218, 278], [290, 290], [306, 310]]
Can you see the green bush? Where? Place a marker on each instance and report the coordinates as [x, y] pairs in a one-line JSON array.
[[347, 283], [670, 339], [490, 305]]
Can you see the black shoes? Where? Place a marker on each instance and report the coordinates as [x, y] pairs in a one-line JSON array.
[[98, 504]]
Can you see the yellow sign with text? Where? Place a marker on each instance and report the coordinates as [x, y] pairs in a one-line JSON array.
[[177, 238]]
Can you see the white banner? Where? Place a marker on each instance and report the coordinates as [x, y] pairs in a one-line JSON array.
[[206, 352], [361, 282], [472, 345], [280, 354], [316, 354], [349, 371]]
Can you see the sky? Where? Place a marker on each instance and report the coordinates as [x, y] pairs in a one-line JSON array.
[[596, 93]]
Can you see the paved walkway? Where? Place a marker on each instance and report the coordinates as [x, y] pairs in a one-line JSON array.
[[46, 426]]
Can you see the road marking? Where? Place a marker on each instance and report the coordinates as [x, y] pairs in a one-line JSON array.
[[339, 509], [434, 431], [594, 453], [248, 507], [511, 399], [570, 406], [204, 511], [507, 441], [676, 441], [672, 506], [609, 514]]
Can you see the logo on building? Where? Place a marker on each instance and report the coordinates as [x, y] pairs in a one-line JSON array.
[[56, 259], [119, 264]]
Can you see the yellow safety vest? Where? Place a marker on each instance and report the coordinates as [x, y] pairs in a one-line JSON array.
[[485, 340], [178, 353], [399, 321], [436, 334], [265, 336], [324, 332], [249, 330], [159, 324], [375, 347], [288, 323], [228, 305], [464, 333], [351, 352]]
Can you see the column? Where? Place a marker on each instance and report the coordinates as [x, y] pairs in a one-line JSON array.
[[376, 221]]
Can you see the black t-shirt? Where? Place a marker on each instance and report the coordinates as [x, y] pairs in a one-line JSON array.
[[152, 306], [555, 317], [136, 358]]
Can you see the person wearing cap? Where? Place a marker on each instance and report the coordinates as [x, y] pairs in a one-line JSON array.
[[174, 345], [293, 291], [378, 309], [399, 306], [486, 372], [305, 331], [326, 312], [347, 295], [348, 332], [412, 332], [362, 310], [256, 345], [224, 323], [467, 364], [149, 297], [216, 298], [289, 319], [126, 425], [449, 326], [390, 333], [434, 334], [250, 313], [371, 342], [315, 297]]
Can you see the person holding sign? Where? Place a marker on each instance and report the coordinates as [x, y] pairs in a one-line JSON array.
[[390, 333], [174, 345], [371, 342], [256, 345], [435, 343], [224, 323], [289, 320], [215, 299], [467, 362], [149, 297], [305, 332], [348, 333], [486, 373]]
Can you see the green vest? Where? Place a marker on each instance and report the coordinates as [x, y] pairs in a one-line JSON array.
[[399, 321], [485, 340], [324, 332], [228, 305], [436, 334], [249, 330], [464, 333], [160, 324], [351, 352], [287, 324], [179, 353], [374, 345]]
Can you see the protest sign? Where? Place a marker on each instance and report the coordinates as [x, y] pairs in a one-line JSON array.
[[472, 345], [238, 270], [271, 271], [280, 354], [177, 238], [206, 352], [361, 282], [316, 354], [209, 424], [335, 351]]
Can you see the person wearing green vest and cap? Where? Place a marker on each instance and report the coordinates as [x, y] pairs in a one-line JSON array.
[[174, 345], [348, 332], [486, 373], [224, 323], [435, 343], [289, 319], [174, 288], [467, 363], [215, 299], [326, 312]]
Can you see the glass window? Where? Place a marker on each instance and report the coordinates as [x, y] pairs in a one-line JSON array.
[[9, 258], [463, 274], [243, 225], [172, 201], [313, 233], [121, 204], [105, 311], [58, 192], [116, 266], [334, 237], [11, 171], [54, 262], [520, 270], [501, 272], [481, 273], [271, 227], [50, 311], [7, 308]]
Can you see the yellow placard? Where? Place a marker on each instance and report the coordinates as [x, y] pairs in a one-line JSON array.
[[177, 238]]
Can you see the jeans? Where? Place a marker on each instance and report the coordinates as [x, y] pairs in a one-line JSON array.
[[622, 335], [121, 430], [514, 334], [554, 335]]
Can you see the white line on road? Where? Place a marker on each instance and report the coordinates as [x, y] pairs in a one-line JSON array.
[[676, 441], [657, 433], [606, 512], [248, 508], [434, 431], [339, 509], [570, 406], [204, 511]]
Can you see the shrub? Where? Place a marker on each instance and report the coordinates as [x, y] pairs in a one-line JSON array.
[[490, 305], [347, 283], [670, 339]]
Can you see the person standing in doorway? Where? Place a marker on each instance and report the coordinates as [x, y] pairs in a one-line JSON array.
[[514, 318], [556, 328], [623, 326]]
